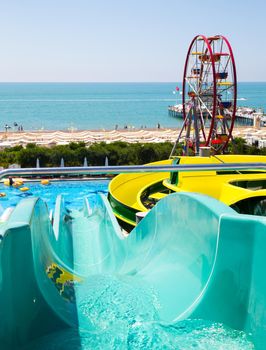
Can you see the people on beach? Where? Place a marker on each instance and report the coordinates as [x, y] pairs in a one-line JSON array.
[[158, 126], [7, 127], [15, 124]]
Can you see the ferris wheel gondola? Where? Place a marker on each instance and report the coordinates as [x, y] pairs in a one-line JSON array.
[[209, 95]]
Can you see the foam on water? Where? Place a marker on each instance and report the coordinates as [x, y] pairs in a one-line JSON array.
[[188, 334], [106, 300], [123, 313]]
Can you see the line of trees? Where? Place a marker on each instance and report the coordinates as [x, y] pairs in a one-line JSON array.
[[118, 153]]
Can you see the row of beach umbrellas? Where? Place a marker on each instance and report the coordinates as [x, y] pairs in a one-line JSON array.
[[61, 137]]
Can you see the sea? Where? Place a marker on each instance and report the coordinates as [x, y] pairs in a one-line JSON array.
[[104, 106]]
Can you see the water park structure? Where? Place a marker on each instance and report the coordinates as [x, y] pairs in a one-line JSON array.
[[190, 273]]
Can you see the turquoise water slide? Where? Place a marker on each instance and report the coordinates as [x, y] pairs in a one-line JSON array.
[[190, 258]]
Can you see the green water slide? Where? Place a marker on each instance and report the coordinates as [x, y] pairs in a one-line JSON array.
[[191, 257]]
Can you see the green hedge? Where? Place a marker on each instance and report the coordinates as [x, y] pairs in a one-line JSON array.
[[118, 153]]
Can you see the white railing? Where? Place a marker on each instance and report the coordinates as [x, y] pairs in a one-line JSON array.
[[98, 170]]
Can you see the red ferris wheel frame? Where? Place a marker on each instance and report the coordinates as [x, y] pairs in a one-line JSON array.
[[220, 119]]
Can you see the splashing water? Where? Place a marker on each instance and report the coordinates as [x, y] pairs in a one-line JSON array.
[[123, 314], [106, 300]]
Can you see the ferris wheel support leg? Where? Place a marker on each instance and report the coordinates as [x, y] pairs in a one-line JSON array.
[[178, 138], [186, 148], [202, 127], [196, 126]]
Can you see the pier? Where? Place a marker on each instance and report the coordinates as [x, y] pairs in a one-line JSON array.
[[245, 116]]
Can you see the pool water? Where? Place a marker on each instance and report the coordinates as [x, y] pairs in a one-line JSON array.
[[72, 191], [122, 315], [185, 335]]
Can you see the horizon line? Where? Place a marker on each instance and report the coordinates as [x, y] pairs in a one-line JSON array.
[[112, 82]]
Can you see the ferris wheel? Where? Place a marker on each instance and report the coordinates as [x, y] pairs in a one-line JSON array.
[[209, 95]]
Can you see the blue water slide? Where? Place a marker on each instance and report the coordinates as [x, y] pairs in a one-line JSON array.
[[191, 257], [25, 314]]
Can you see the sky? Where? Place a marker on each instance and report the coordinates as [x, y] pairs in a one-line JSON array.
[[123, 40]]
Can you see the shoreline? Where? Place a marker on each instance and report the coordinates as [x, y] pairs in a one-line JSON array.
[[145, 135]]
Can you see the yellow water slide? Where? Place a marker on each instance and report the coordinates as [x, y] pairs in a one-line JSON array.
[[132, 193], [228, 186], [125, 191]]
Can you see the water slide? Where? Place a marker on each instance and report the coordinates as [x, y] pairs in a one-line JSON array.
[[132, 193], [125, 191], [190, 258]]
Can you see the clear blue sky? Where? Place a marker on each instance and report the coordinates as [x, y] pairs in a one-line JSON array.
[[123, 40]]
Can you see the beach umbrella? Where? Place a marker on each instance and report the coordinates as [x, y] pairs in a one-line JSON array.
[[85, 163], [37, 163], [62, 163], [106, 161]]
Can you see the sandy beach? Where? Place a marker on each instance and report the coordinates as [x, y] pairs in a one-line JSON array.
[[50, 138]]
